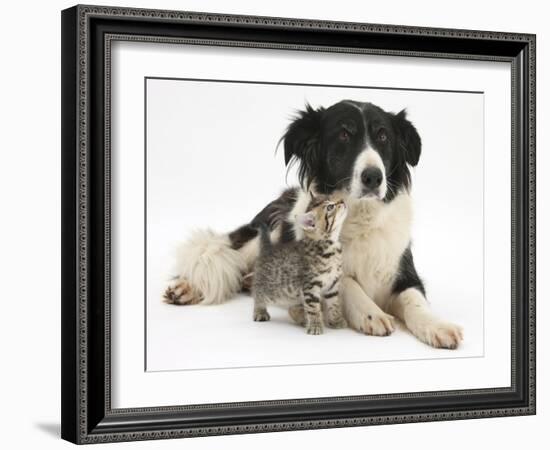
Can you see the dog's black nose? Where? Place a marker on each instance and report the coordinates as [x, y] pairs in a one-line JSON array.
[[371, 177]]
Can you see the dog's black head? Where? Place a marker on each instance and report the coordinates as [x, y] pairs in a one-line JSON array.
[[354, 147]]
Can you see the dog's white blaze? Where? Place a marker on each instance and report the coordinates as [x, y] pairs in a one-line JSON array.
[[367, 158]]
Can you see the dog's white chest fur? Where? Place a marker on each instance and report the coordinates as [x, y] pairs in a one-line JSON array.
[[374, 237]]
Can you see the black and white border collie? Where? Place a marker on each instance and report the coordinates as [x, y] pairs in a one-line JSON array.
[[365, 152]]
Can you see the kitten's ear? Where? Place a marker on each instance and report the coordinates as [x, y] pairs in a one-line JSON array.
[[306, 221], [312, 197]]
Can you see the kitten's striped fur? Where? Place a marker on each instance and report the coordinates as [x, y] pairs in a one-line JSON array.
[[304, 275]]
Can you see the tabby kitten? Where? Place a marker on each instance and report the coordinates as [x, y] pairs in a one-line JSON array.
[[304, 275]]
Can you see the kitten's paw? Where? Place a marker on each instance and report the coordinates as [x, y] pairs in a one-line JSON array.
[[377, 324], [298, 315], [337, 322], [440, 334], [314, 328], [261, 316], [180, 292]]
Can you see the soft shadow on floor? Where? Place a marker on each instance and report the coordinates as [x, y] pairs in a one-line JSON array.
[[53, 429]]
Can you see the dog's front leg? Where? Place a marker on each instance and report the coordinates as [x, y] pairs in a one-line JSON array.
[[412, 308], [362, 313]]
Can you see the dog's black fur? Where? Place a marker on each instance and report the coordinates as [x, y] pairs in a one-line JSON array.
[[325, 144]]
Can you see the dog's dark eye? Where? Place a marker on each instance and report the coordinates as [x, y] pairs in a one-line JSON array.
[[382, 136], [330, 207], [343, 135]]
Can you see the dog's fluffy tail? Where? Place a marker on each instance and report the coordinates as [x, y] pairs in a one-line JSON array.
[[207, 261]]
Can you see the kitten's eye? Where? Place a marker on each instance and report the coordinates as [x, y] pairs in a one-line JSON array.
[[382, 135], [330, 207], [344, 135]]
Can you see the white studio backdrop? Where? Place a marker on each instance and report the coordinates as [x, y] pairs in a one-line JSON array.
[[30, 331], [213, 146], [211, 163]]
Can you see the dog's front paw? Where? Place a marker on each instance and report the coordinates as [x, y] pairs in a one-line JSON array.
[[377, 324], [180, 292], [440, 334]]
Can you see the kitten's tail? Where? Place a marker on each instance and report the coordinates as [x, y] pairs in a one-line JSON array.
[[265, 238]]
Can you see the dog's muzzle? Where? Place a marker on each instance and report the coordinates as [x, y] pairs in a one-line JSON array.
[[369, 180]]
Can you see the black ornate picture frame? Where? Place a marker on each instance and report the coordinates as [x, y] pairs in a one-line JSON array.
[[87, 35]]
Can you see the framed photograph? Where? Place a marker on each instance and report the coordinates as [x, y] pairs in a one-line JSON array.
[[281, 224]]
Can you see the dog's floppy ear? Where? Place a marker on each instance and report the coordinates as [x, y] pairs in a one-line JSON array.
[[409, 139], [301, 141]]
